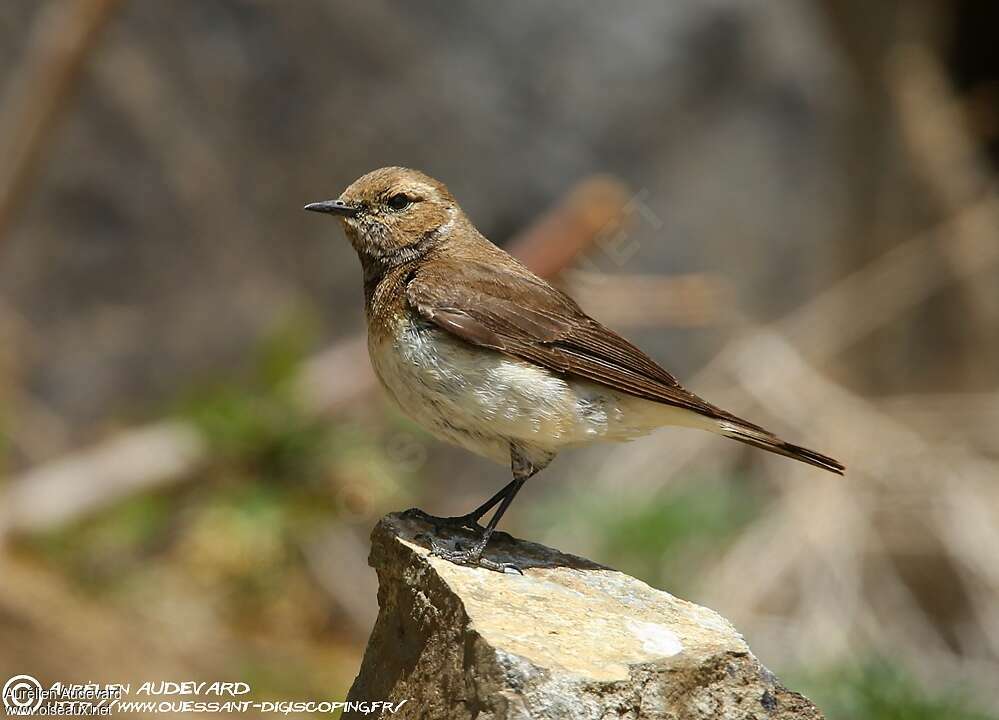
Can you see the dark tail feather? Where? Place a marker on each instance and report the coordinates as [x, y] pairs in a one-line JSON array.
[[760, 438]]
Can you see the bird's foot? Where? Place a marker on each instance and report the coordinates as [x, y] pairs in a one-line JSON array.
[[472, 557]]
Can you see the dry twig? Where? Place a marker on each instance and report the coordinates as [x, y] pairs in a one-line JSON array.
[[61, 40]]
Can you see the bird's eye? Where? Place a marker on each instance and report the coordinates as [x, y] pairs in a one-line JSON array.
[[399, 202]]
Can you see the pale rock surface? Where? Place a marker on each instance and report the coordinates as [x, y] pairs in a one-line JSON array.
[[568, 639]]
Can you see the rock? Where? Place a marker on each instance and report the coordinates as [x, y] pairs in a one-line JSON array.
[[568, 639]]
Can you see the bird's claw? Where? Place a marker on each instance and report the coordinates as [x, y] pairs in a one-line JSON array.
[[471, 557]]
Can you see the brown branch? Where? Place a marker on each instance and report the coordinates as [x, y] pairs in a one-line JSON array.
[[595, 208], [61, 40], [955, 169]]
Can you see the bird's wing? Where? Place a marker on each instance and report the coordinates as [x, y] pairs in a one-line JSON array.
[[520, 315]]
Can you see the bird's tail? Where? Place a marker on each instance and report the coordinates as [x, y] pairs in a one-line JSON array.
[[758, 437]]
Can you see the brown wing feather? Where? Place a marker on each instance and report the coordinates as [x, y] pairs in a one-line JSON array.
[[529, 319]]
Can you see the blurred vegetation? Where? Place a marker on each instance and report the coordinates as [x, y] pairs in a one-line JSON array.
[[253, 423], [230, 539], [665, 539], [881, 690]]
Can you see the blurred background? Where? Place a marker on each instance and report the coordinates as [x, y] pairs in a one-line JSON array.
[[793, 206]]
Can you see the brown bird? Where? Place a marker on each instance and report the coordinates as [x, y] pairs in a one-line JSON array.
[[488, 356]]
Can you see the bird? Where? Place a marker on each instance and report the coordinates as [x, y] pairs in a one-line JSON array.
[[486, 355]]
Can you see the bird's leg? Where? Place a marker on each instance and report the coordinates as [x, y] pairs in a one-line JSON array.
[[473, 556], [471, 520], [523, 468]]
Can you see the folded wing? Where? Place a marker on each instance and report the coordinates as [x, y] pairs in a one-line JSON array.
[[518, 314]]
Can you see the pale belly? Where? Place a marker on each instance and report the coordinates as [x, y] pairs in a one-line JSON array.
[[484, 401]]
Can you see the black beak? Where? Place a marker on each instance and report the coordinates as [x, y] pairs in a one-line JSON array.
[[335, 207]]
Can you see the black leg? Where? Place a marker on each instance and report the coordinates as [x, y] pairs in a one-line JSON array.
[[473, 555], [485, 507], [523, 468], [514, 488]]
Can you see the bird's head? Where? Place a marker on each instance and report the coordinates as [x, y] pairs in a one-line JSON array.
[[392, 215]]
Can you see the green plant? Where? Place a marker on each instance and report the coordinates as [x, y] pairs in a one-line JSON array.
[[881, 690]]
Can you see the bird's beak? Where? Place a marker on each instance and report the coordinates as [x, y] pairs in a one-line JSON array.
[[336, 207]]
